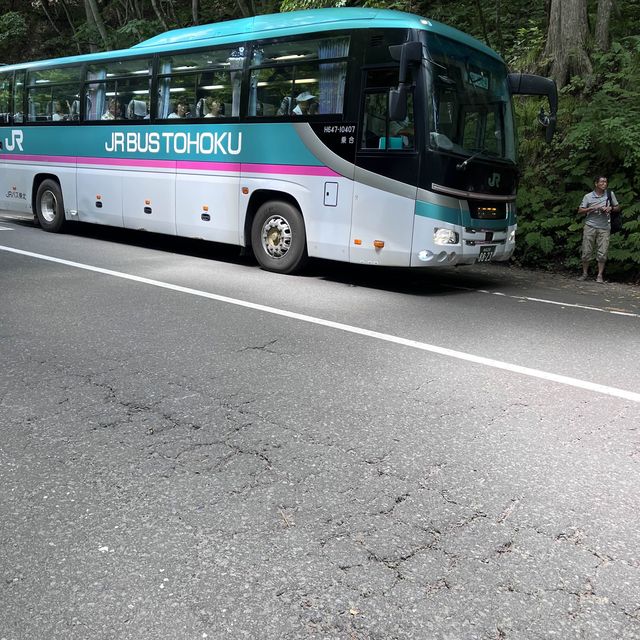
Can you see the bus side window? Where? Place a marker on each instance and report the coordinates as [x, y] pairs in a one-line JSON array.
[[117, 90], [5, 97], [204, 84], [50, 93], [378, 132], [16, 114], [298, 78]]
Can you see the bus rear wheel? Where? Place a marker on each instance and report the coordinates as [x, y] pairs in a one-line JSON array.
[[50, 206], [278, 237]]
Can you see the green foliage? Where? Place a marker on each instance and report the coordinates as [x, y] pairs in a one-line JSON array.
[[526, 48], [296, 5], [13, 28]]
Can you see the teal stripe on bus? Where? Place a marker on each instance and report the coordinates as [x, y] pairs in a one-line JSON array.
[[437, 212], [458, 217], [278, 143]]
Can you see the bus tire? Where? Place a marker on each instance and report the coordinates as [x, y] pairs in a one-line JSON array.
[[278, 237], [50, 206]]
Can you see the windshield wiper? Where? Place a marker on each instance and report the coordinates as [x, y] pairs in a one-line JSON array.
[[463, 165]]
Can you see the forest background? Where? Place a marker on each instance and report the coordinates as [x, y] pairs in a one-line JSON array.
[[590, 47]]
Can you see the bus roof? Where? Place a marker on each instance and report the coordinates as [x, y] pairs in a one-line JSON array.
[[266, 26]]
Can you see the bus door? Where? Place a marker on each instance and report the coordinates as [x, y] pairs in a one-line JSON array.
[[386, 177]]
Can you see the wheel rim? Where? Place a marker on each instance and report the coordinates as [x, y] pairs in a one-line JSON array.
[[49, 206], [276, 236]]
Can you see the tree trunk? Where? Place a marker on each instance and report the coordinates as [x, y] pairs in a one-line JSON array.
[[602, 24], [566, 51], [244, 9], [92, 7], [70, 21], [483, 23], [159, 15], [500, 41], [43, 4], [194, 11], [93, 47]]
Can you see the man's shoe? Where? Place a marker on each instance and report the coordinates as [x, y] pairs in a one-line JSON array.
[[583, 277], [600, 279]]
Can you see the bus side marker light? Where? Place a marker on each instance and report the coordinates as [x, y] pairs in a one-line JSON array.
[[205, 207], [147, 201], [245, 190], [98, 197], [378, 244], [357, 241]]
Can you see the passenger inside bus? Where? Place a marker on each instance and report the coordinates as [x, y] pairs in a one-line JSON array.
[[113, 110], [210, 107], [403, 132], [181, 110], [306, 104], [57, 113]]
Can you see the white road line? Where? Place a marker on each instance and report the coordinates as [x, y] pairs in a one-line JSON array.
[[629, 314], [460, 355], [5, 229]]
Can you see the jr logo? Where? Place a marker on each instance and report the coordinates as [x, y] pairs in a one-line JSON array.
[[16, 140], [494, 180]]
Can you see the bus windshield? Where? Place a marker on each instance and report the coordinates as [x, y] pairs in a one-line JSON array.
[[471, 113]]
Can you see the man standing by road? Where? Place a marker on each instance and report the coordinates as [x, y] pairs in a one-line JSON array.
[[597, 207]]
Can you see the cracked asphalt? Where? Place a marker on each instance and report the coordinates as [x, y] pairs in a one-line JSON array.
[[177, 467]]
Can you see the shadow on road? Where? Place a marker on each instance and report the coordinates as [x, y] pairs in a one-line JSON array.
[[498, 278]]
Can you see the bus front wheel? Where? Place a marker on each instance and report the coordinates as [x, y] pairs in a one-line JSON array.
[[278, 237], [50, 206]]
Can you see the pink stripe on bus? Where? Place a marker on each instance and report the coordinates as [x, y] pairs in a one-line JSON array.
[[288, 169], [209, 166]]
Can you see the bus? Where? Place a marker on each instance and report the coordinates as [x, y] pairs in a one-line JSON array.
[[358, 135]]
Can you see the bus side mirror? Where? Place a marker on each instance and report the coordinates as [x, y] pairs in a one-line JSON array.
[[409, 53], [398, 103], [530, 85]]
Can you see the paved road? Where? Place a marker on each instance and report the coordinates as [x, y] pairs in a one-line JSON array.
[[193, 448]]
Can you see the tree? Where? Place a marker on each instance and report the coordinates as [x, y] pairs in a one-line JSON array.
[[566, 50], [602, 24], [94, 17]]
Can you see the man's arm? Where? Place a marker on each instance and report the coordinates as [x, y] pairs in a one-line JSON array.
[[583, 210]]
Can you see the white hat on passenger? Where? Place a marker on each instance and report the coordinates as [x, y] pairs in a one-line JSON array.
[[304, 96]]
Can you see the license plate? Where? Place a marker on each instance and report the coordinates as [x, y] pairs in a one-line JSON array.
[[486, 253]]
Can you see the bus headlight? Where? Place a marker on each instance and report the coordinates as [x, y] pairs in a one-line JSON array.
[[512, 236], [445, 236]]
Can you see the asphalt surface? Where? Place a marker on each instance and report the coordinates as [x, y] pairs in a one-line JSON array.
[[189, 448]]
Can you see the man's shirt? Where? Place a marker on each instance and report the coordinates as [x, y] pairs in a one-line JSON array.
[[598, 219]]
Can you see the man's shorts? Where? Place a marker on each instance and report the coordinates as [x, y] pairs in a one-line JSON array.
[[597, 239]]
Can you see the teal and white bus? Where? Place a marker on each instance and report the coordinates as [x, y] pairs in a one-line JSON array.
[[359, 135]]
